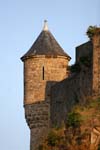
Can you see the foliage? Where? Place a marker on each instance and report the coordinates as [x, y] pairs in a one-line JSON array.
[[77, 129], [53, 138], [58, 127], [73, 119], [92, 30], [94, 104]]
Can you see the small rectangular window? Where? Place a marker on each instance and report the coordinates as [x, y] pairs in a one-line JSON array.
[[43, 73]]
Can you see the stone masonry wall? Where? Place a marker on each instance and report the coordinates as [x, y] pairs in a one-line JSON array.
[[96, 65], [83, 50], [75, 89], [40, 73], [38, 120], [37, 71], [67, 93]]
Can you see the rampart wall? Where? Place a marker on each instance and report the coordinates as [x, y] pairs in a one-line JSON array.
[[75, 89]]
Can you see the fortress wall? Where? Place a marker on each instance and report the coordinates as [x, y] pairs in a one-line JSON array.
[[65, 94], [83, 50], [96, 65]]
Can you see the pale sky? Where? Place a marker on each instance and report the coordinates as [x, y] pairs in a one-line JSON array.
[[21, 21]]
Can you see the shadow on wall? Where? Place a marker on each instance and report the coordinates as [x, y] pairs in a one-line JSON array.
[[65, 94], [38, 117]]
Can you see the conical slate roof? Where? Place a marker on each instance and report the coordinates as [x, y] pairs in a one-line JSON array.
[[45, 44]]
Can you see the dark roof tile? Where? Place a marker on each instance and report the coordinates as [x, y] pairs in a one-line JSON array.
[[46, 44]]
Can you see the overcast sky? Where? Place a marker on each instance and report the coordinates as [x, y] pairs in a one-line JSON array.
[[21, 21]]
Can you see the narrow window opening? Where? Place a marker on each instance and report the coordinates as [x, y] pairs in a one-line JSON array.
[[43, 73]]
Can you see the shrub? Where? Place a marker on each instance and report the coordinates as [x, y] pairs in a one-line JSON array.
[[53, 138], [94, 104], [73, 120], [92, 30]]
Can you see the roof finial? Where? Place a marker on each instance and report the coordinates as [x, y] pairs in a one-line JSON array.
[[45, 28]]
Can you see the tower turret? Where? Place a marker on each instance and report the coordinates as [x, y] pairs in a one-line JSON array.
[[44, 64]]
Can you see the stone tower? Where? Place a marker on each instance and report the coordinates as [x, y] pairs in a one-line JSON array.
[[44, 64]]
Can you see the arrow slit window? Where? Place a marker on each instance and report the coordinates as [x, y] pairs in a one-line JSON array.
[[43, 73]]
